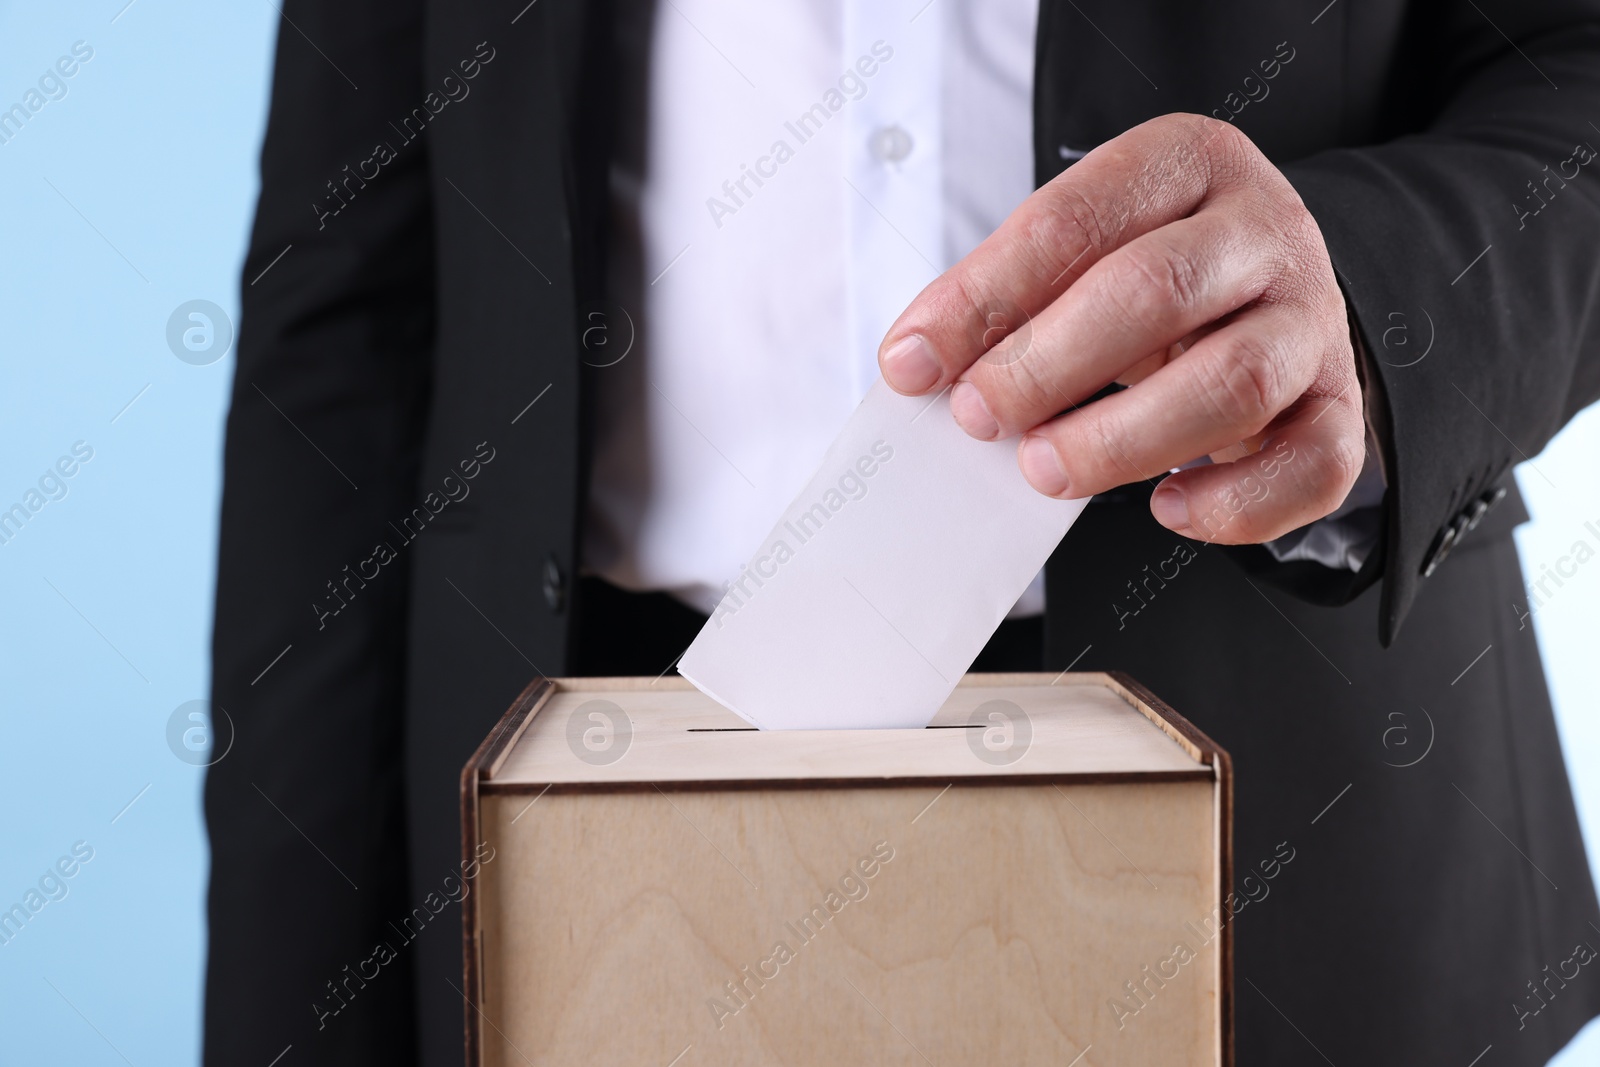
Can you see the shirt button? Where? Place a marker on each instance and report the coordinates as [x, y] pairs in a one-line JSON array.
[[555, 584], [890, 144]]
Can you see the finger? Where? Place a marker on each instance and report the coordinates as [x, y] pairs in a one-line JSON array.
[[1150, 364], [1229, 386], [1152, 175], [1156, 360], [1144, 297], [1303, 472], [1238, 449]]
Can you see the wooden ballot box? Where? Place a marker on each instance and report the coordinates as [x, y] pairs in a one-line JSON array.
[[1036, 878]]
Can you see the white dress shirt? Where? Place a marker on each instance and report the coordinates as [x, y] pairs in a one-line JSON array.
[[789, 176]]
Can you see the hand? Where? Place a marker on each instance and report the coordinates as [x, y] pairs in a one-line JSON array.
[[1177, 261]]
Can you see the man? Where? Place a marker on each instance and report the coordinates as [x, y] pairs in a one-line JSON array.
[[1280, 232]]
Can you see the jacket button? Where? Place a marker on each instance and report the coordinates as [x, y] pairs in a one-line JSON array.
[[555, 584], [1442, 544], [1449, 536], [1482, 505]]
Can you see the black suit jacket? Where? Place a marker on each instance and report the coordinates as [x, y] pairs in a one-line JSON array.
[[421, 262]]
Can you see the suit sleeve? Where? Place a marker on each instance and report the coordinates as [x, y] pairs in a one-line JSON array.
[[323, 435], [1475, 231]]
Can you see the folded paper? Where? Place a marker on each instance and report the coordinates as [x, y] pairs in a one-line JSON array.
[[883, 580]]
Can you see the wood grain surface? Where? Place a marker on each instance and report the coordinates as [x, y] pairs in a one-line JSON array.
[[999, 932], [722, 896]]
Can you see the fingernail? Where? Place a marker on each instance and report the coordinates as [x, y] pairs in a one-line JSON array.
[[966, 404], [1041, 466], [909, 366], [1169, 508]]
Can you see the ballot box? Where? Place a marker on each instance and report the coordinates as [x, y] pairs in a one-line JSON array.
[[1038, 877]]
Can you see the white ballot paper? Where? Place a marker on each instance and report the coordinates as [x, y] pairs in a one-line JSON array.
[[883, 580]]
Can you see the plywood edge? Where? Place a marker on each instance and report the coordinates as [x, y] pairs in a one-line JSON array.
[[1224, 767], [1204, 749], [488, 757], [489, 787], [1188, 736], [471, 969], [508, 731], [471, 933]]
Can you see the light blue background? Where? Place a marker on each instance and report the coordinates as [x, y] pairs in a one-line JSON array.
[[155, 144]]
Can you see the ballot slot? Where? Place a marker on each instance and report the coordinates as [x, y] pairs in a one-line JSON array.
[[740, 730]]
